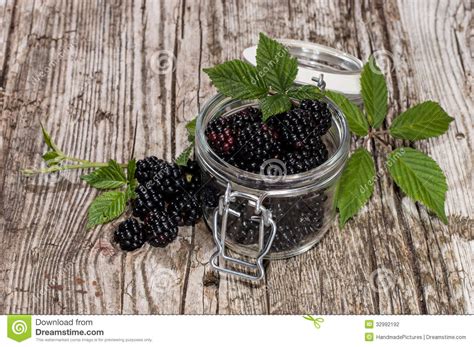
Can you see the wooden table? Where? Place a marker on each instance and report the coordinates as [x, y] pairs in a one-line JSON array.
[[119, 80]]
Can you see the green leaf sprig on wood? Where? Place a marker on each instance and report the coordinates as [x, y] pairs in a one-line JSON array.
[[118, 185], [417, 175]]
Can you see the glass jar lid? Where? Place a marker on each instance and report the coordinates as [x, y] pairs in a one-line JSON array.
[[341, 71]]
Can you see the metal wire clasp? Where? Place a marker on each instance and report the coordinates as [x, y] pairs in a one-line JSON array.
[[262, 214], [320, 82]]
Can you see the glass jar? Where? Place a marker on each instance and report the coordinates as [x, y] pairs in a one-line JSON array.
[[268, 215], [271, 214]]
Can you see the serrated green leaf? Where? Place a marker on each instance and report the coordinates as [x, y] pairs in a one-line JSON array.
[[52, 158], [374, 93], [130, 193], [356, 119], [132, 182], [419, 177], [305, 92], [191, 126], [237, 79], [49, 141], [106, 207], [108, 177], [183, 158], [356, 185], [274, 104], [422, 121], [275, 64]]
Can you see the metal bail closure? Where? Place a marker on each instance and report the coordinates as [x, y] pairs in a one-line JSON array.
[[218, 260]]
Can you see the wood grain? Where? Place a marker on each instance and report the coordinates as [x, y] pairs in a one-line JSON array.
[[118, 79]]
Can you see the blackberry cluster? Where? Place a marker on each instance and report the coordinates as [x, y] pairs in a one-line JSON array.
[[167, 196], [293, 228], [294, 137]]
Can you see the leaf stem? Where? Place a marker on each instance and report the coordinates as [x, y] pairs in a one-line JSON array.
[[93, 163], [55, 168], [382, 142], [84, 165]]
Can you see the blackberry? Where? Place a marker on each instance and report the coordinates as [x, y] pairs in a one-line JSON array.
[[257, 143], [129, 235], [313, 154], [184, 210], [192, 167], [316, 147], [242, 118], [147, 168], [292, 228], [221, 137], [147, 200], [169, 180], [221, 133], [321, 113], [313, 117], [209, 196], [294, 126], [161, 176], [192, 174], [286, 237], [160, 229], [244, 230]]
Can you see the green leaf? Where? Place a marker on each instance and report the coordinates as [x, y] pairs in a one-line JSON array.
[[108, 177], [275, 64], [183, 158], [106, 207], [191, 128], [356, 119], [420, 122], [419, 177], [274, 104], [305, 92], [52, 158], [131, 168], [130, 193], [237, 79], [49, 141], [356, 185], [374, 93]]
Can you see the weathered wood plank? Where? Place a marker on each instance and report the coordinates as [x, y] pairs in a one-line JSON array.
[[119, 79]]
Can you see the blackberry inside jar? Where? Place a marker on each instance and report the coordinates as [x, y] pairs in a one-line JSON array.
[[288, 165]]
